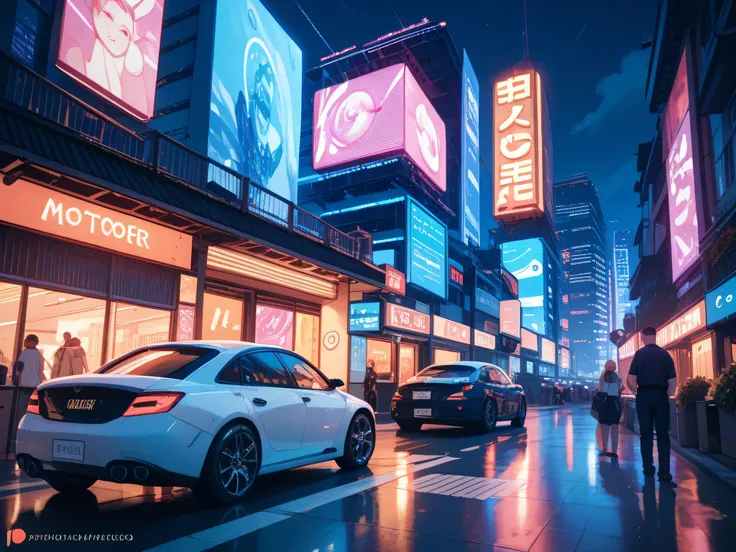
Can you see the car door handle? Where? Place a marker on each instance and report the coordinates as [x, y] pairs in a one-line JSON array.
[[306, 399], [259, 402]]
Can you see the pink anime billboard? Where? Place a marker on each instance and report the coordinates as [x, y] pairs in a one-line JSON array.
[[112, 47], [384, 112]]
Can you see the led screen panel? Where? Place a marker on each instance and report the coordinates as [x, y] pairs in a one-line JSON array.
[[365, 316], [511, 318], [525, 260], [470, 172], [720, 303], [256, 97], [381, 113], [112, 47], [549, 351], [529, 340], [426, 250], [564, 358]]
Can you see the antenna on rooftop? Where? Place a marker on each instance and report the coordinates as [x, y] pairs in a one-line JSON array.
[[526, 35]]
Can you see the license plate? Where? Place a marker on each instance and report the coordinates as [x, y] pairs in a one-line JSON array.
[[68, 450], [422, 412], [421, 395]]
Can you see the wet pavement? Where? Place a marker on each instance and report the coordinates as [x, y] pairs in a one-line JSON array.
[[542, 487]]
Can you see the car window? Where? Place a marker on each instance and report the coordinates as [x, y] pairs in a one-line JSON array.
[[503, 376], [498, 378], [484, 376], [230, 373], [447, 371], [303, 374], [264, 368], [162, 362]]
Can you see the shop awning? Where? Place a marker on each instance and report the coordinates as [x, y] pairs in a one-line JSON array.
[[35, 140]]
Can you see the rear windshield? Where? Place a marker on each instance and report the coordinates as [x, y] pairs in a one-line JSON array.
[[161, 362], [448, 371]]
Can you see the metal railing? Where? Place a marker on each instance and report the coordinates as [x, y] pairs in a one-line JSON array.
[[28, 90]]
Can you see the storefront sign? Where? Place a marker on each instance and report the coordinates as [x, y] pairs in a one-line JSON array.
[[395, 280], [331, 340], [185, 323], [485, 340], [365, 316], [685, 324], [549, 352], [454, 331], [565, 341], [456, 276], [529, 340], [511, 318], [628, 349], [490, 326], [720, 302], [57, 214], [406, 319]]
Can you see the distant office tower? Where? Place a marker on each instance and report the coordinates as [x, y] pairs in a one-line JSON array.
[[581, 229], [622, 274]]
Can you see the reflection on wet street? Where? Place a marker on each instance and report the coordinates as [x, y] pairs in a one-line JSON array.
[[543, 487]]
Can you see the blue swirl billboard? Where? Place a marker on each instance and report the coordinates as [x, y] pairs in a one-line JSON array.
[[426, 248], [470, 190], [256, 97], [525, 260]]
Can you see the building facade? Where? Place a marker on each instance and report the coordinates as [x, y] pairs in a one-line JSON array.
[[622, 240], [687, 234], [582, 235]]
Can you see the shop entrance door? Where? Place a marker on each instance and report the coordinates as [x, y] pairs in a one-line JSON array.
[[407, 362]]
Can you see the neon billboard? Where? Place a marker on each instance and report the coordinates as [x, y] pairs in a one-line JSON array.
[[426, 250], [682, 188], [112, 48], [519, 170], [511, 318], [470, 158], [256, 97], [381, 113]]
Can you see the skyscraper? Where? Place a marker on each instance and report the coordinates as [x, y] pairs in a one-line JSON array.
[[581, 229], [622, 274]]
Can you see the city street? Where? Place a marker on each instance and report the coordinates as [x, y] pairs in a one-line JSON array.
[[542, 487]]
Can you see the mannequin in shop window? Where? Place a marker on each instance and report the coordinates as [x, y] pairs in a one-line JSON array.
[[369, 385]]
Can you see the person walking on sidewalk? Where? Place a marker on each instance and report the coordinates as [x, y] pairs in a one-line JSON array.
[[653, 378], [610, 412]]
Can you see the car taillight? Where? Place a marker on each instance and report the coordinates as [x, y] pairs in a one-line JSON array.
[[460, 395], [33, 403], [397, 397], [153, 403]]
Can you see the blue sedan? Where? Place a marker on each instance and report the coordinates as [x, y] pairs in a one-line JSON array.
[[468, 394]]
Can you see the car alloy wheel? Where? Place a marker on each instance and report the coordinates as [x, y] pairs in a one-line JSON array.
[[490, 414], [361, 439], [238, 463]]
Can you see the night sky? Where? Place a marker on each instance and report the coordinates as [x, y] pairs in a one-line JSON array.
[[589, 54]]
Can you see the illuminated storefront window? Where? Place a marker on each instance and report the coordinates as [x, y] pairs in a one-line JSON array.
[[443, 356], [407, 362], [703, 358], [306, 341], [222, 318], [50, 314], [275, 326], [381, 353], [9, 310], [133, 326]]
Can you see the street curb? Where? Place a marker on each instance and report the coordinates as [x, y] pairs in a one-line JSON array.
[[712, 467]]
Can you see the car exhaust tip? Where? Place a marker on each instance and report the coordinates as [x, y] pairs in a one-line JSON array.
[[141, 473], [119, 473], [32, 468]]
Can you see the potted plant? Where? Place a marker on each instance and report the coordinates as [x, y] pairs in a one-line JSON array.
[[693, 390], [724, 395]]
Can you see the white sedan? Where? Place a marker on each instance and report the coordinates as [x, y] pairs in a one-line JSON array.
[[209, 416]]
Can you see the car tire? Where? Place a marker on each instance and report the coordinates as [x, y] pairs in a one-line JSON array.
[[237, 448], [360, 442], [489, 416], [68, 483], [410, 426], [521, 418]]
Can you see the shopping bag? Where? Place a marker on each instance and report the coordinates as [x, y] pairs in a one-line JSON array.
[[595, 408]]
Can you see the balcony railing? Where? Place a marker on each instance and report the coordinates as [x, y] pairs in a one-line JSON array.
[[28, 90]]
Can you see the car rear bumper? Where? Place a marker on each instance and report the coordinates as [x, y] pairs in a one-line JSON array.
[[443, 412], [164, 443]]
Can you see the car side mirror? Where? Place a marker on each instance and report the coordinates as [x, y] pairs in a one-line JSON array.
[[335, 383]]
